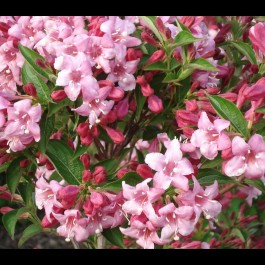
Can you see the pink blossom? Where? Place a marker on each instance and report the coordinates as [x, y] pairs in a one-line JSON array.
[[251, 192], [210, 136], [139, 198], [171, 167], [144, 231], [256, 35], [177, 221], [72, 225], [248, 159], [202, 200]]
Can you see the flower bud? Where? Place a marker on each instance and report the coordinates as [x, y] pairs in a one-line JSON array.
[[144, 171], [82, 129], [68, 195], [116, 93], [30, 89], [116, 136], [24, 163], [122, 172], [156, 56], [155, 104], [86, 175], [46, 224], [122, 108], [88, 207], [99, 174], [97, 199], [58, 95], [85, 159]]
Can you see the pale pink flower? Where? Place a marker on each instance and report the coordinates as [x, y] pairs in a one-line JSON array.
[[72, 225], [256, 35], [139, 198], [202, 200], [210, 137], [248, 159], [171, 167], [251, 192]]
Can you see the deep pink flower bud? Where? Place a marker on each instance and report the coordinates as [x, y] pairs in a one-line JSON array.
[[95, 132], [87, 175], [46, 224], [147, 90], [97, 199], [206, 106], [40, 63], [241, 98], [254, 92], [141, 80], [194, 85], [188, 132], [49, 165], [144, 171], [87, 140], [191, 105], [30, 89], [122, 172], [254, 68], [133, 105], [58, 95], [99, 174], [229, 96], [109, 118], [68, 195], [85, 159], [116, 93], [5, 209], [4, 27], [133, 165], [122, 108], [149, 39], [88, 207], [186, 118], [160, 25], [155, 104], [227, 153], [116, 136], [105, 83], [24, 163], [213, 90], [133, 54], [156, 56], [42, 159], [149, 76], [82, 129]]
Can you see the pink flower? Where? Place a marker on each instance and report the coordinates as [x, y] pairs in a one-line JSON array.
[[210, 136], [251, 192], [120, 30], [75, 76], [171, 167], [139, 198], [72, 225], [248, 159], [202, 200], [256, 35], [144, 231], [45, 196], [177, 221]]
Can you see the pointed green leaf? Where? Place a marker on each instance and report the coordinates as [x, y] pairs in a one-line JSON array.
[[130, 178], [184, 38], [14, 173], [60, 155], [228, 111], [246, 50], [29, 232], [257, 183], [140, 101], [156, 66], [31, 58], [10, 220], [30, 76], [260, 110], [46, 129], [202, 64], [114, 236]]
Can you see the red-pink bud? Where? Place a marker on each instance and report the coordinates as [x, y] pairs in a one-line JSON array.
[[122, 108], [191, 105], [95, 131], [109, 118], [116, 93], [194, 85], [122, 172], [133, 105], [5, 209], [149, 76], [87, 175], [4, 27], [58, 95], [186, 118], [144, 171], [133, 165], [227, 153], [99, 174], [147, 90], [68, 195], [88, 207], [254, 92], [49, 165], [160, 25], [155, 104], [24, 163], [206, 106], [85, 159], [42, 159], [97, 199], [116, 136], [133, 54], [148, 38], [156, 56], [229, 96], [141, 80], [30, 89], [82, 129], [46, 224], [87, 139], [40, 63]]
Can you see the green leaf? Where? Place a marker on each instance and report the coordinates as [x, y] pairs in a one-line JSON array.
[[151, 132], [14, 173], [208, 176], [114, 236], [212, 163], [55, 107], [202, 64], [60, 154], [140, 156], [228, 111], [182, 90], [246, 50], [110, 165], [140, 101], [46, 129], [152, 26], [184, 73], [184, 38], [30, 76], [10, 220], [260, 110], [29, 232], [156, 66], [31, 58], [130, 178], [240, 233], [257, 183], [170, 78], [26, 190], [4, 167]]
